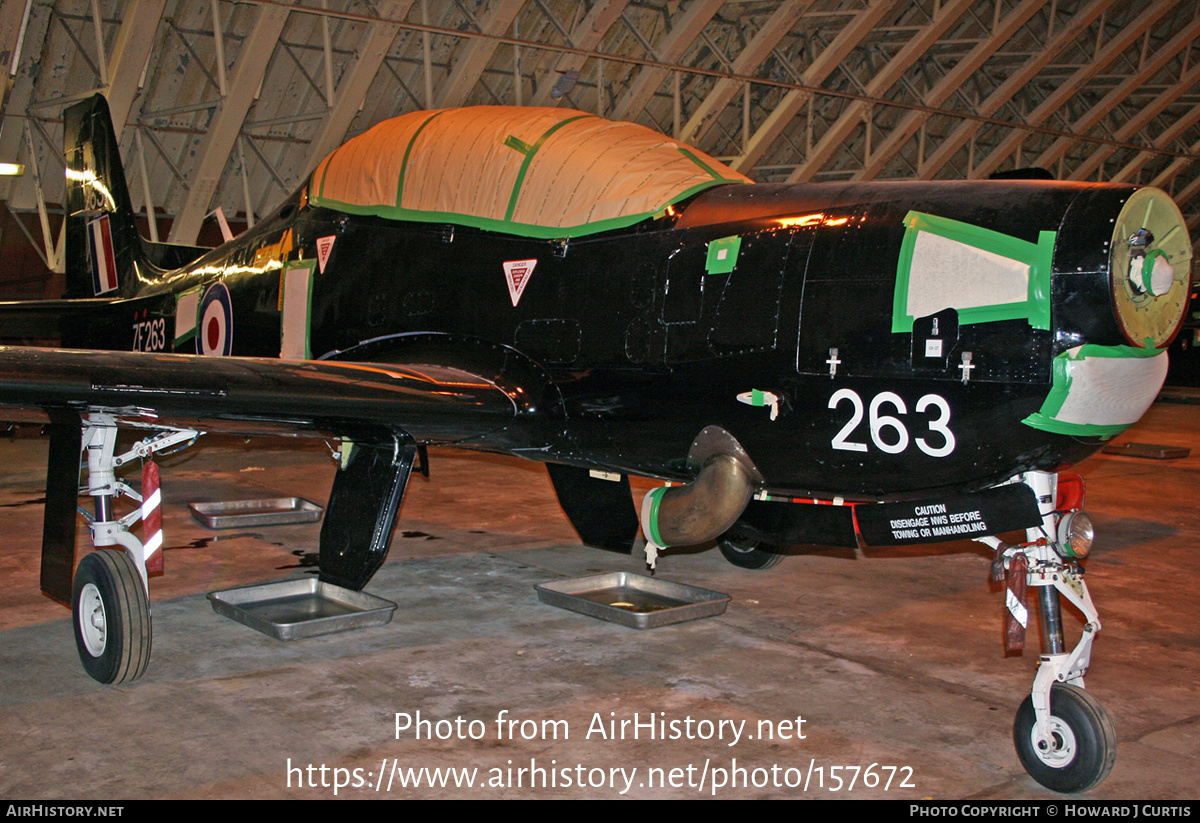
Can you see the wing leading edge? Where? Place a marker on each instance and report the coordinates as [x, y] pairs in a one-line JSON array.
[[430, 403]]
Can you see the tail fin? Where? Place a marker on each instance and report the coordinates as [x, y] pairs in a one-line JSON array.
[[103, 247]]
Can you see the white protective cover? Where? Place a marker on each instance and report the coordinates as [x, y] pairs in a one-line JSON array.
[[544, 172]]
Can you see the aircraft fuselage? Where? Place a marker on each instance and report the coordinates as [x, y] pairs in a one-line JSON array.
[[646, 335]]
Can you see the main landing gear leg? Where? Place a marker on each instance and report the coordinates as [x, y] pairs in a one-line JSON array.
[[110, 600], [1064, 737]]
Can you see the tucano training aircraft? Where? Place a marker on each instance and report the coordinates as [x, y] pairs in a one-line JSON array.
[[845, 363]]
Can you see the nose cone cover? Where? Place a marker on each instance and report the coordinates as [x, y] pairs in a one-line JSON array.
[[1151, 264]]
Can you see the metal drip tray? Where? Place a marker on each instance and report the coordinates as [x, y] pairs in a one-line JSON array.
[[1150, 450], [290, 609], [273, 511], [633, 600]]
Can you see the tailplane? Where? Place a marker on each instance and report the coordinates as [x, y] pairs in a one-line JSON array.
[[103, 248]]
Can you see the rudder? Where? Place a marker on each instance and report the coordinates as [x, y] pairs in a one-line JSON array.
[[103, 247]]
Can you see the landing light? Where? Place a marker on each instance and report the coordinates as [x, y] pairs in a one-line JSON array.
[[1075, 535]]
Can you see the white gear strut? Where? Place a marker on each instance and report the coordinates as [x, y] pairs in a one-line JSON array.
[[98, 444], [1051, 576]]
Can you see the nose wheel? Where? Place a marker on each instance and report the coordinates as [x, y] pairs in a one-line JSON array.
[[111, 614], [1079, 747]]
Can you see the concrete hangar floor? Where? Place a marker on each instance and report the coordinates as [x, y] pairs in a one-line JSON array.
[[892, 659]]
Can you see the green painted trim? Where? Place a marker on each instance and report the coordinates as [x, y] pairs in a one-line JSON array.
[[509, 226], [1045, 419], [1037, 256], [529, 154], [407, 153], [655, 497]]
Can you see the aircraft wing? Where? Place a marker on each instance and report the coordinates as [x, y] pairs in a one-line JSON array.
[[430, 402]]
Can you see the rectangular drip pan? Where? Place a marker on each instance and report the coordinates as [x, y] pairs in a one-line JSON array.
[[272, 511], [1150, 450], [289, 609], [633, 600]]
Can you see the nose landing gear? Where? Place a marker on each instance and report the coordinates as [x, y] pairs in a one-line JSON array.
[[1064, 737]]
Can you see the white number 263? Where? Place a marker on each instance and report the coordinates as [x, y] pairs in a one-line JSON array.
[[888, 432]]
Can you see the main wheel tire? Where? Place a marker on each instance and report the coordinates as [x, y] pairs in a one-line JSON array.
[[746, 551], [111, 614], [1084, 743]]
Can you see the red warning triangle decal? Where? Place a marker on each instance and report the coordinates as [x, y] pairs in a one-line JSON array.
[[324, 247], [517, 272]]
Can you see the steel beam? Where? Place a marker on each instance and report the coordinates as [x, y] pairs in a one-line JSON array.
[[223, 131], [825, 63], [16, 100], [357, 81], [952, 81], [1017, 81], [670, 47], [587, 35], [747, 62], [474, 54], [135, 40], [881, 81], [1068, 88], [14, 19], [1139, 121], [1155, 63]]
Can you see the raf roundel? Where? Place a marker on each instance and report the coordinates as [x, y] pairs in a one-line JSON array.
[[215, 332]]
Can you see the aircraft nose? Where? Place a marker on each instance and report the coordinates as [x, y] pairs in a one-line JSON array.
[[1150, 264]]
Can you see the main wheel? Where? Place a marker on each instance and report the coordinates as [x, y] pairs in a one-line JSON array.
[[111, 613], [744, 550], [1082, 746]]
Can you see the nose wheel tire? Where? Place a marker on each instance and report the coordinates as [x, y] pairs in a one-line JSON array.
[[111, 615], [1082, 746], [746, 551]]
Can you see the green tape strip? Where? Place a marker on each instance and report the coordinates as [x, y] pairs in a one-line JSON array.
[[722, 254], [690, 155], [514, 142], [1037, 256], [508, 226], [529, 152], [1045, 419], [655, 497], [407, 153]]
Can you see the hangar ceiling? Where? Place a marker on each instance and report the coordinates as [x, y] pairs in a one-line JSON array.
[[232, 104]]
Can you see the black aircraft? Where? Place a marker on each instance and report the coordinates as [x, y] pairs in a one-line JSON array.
[[846, 363]]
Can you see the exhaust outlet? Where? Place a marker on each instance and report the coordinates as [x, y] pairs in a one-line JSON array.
[[708, 506]]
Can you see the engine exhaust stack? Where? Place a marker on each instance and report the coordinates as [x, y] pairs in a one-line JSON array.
[[708, 506]]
